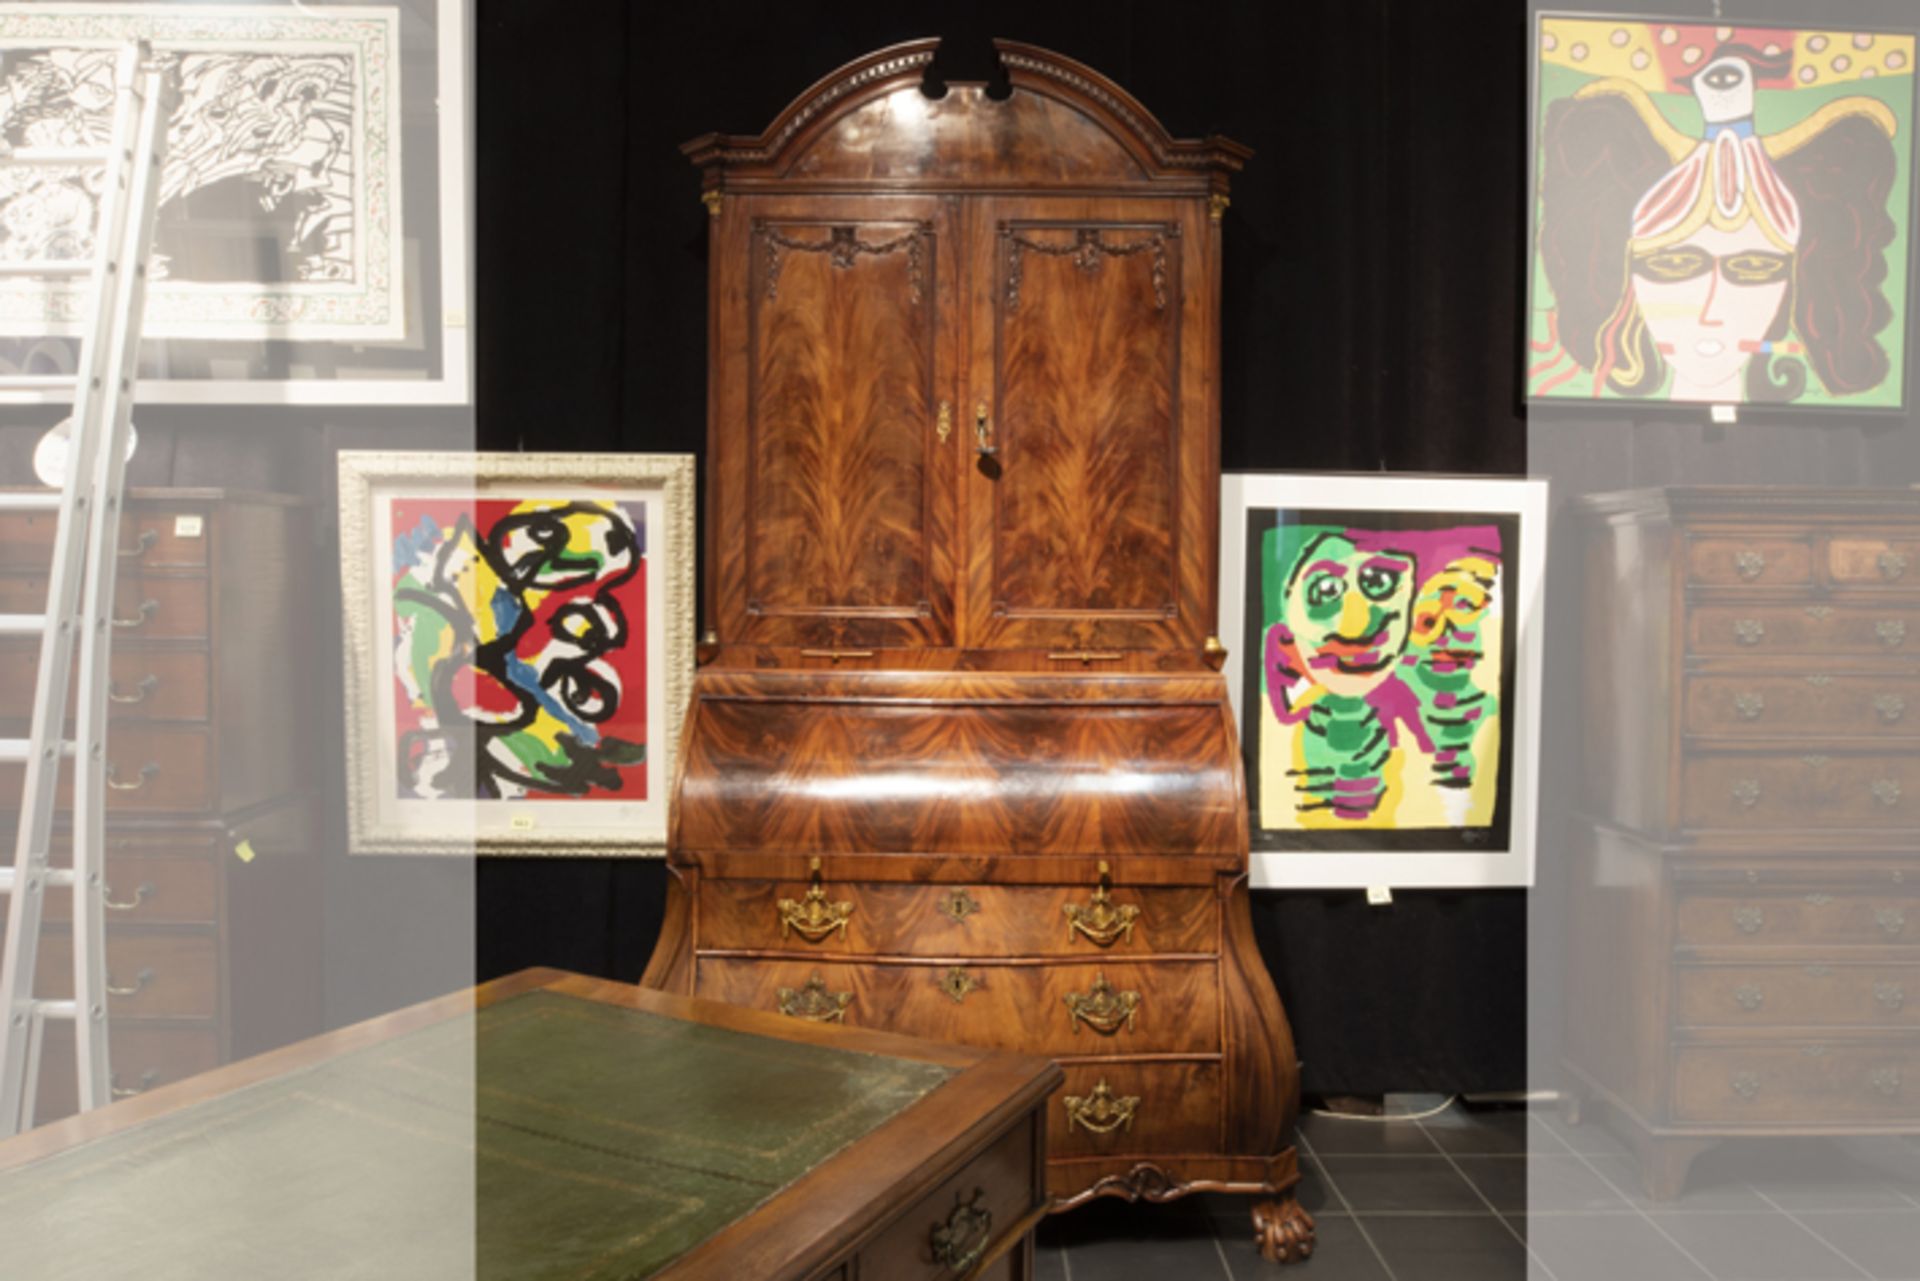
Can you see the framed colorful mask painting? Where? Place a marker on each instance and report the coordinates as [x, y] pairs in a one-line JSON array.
[[1722, 214], [1385, 675], [519, 649]]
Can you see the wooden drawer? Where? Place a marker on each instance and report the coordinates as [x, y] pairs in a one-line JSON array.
[[152, 891], [142, 1058], [1800, 1084], [154, 770], [1819, 631], [977, 1206], [1874, 791], [146, 608], [1797, 996], [1165, 1007], [164, 976], [147, 684], [1758, 560], [957, 920], [1175, 1110], [148, 538], [1816, 919], [1887, 558], [1772, 706]]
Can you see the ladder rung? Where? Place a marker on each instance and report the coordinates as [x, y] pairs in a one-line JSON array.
[[56, 1009], [48, 267], [39, 382], [56, 156], [15, 750], [57, 878], [46, 502], [22, 624]]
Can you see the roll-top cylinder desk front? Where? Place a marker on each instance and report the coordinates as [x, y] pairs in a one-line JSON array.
[[960, 761]]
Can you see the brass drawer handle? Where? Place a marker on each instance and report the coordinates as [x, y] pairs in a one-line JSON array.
[[1889, 707], [835, 655], [1819, 613], [141, 545], [1886, 791], [1892, 921], [1749, 998], [1814, 1051], [147, 771], [813, 1002], [140, 981], [958, 1243], [1816, 760], [146, 686], [1891, 631], [812, 917], [148, 608], [148, 1079], [1891, 564], [1750, 564], [956, 983], [1819, 680], [1746, 1084], [1749, 631], [1749, 706], [1819, 900], [957, 905], [1886, 1081], [1102, 1111], [983, 432], [1749, 920], [1891, 997], [1819, 971], [1100, 920], [1102, 1007], [1746, 792], [140, 895]]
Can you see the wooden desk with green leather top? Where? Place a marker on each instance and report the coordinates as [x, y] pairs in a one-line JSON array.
[[549, 1125]]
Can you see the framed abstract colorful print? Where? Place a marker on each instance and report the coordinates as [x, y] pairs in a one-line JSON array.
[[1722, 214], [519, 649], [1385, 675]]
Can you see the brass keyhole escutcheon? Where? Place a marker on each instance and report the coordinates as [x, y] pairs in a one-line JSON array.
[[983, 432]]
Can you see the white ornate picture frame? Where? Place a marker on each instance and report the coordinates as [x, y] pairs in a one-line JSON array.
[[499, 611]]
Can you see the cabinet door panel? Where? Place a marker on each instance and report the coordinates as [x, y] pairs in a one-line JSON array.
[[1094, 394], [843, 506]]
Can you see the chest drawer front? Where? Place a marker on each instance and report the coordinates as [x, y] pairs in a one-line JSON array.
[[957, 920], [1058, 1010], [1874, 791], [149, 891], [144, 1058], [1794, 920], [1762, 560], [1772, 706], [945, 1233], [144, 607], [149, 976], [172, 538], [1112, 1109], [150, 770], [1817, 631], [1880, 558], [146, 684], [1808, 1083], [1814, 995]]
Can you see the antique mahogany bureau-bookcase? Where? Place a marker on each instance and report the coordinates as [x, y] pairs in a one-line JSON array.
[[959, 761], [1745, 931]]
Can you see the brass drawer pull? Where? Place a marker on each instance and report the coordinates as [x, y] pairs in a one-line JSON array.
[[1102, 1111], [957, 905], [983, 432], [956, 983], [1892, 921], [1889, 707], [1891, 997], [813, 1002], [1815, 760], [1746, 792], [1819, 900], [1886, 791], [1749, 998], [1886, 1081], [1891, 564], [1750, 564], [812, 917], [1819, 680], [835, 655], [1819, 613], [140, 981], [147, 771], [140, 895], [1100, 920], [148, 1079], [141, 545], [1749, 706], [1891, 631], [1814, 1051], [1102, 1007], [958, 1243], [148, 608], [1749, 920], [1819, 971], [1746, 1084], [1749, 631], [146, 686]]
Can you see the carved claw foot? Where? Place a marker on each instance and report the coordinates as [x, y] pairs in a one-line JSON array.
[[1283, 1230]]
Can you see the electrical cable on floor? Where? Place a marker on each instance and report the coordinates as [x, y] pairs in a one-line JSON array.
[[1398, 1116]]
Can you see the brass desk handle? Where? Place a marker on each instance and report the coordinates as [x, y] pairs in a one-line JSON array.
[[1746, 1084], [1746, 792], [148, 1079], [1892, 921], [140, 546], [1886, 1081], [1886, 791], [148, 608], [1891, 631], [813, 1003], [1749, 998], [1749, 631], [812, 917], [1100, 920], [1102, 1111], [1102, 1007], [958, 1244], [835, 655], [1891, 564], [1889, 707], [147, 771], [146, 686], [983, 432], [140, 981], [1891, 997], [1749, 920], [1750, 564], [1749, 706], [140, 895]]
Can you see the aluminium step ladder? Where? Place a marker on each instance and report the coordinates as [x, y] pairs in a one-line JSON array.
[[79, 600]]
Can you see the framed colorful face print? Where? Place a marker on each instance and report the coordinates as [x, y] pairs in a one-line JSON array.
[[1722, 214], [519, 648], [1384, 675]]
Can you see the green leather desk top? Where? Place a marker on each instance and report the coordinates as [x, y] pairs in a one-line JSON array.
[[592, 1142]]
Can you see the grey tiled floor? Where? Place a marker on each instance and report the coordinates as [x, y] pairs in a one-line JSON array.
[[1488, 1195]]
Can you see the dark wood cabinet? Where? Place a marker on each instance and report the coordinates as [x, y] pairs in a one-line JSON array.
[[960, 761]]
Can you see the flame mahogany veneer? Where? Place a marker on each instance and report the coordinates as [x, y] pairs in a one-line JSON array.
[[959, 761]]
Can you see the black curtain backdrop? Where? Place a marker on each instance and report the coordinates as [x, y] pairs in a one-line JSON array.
[[1371, 301]]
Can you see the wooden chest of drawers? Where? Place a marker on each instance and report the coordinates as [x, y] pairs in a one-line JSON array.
[[1745, 926], [212, 929]]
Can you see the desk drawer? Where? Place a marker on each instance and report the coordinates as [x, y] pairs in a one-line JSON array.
[[1886, 558], [1168, 1007], [150, 891], [145, 607], [147, 539], [1759, 560], [156, 976], [1804, 920], [143, 1058], [154, 770], [1163, 1108], [1772, 791], [1772, 706], [1814, 995], [939, 1237], [147, 684], [1800, 1084], [1817, 631]]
